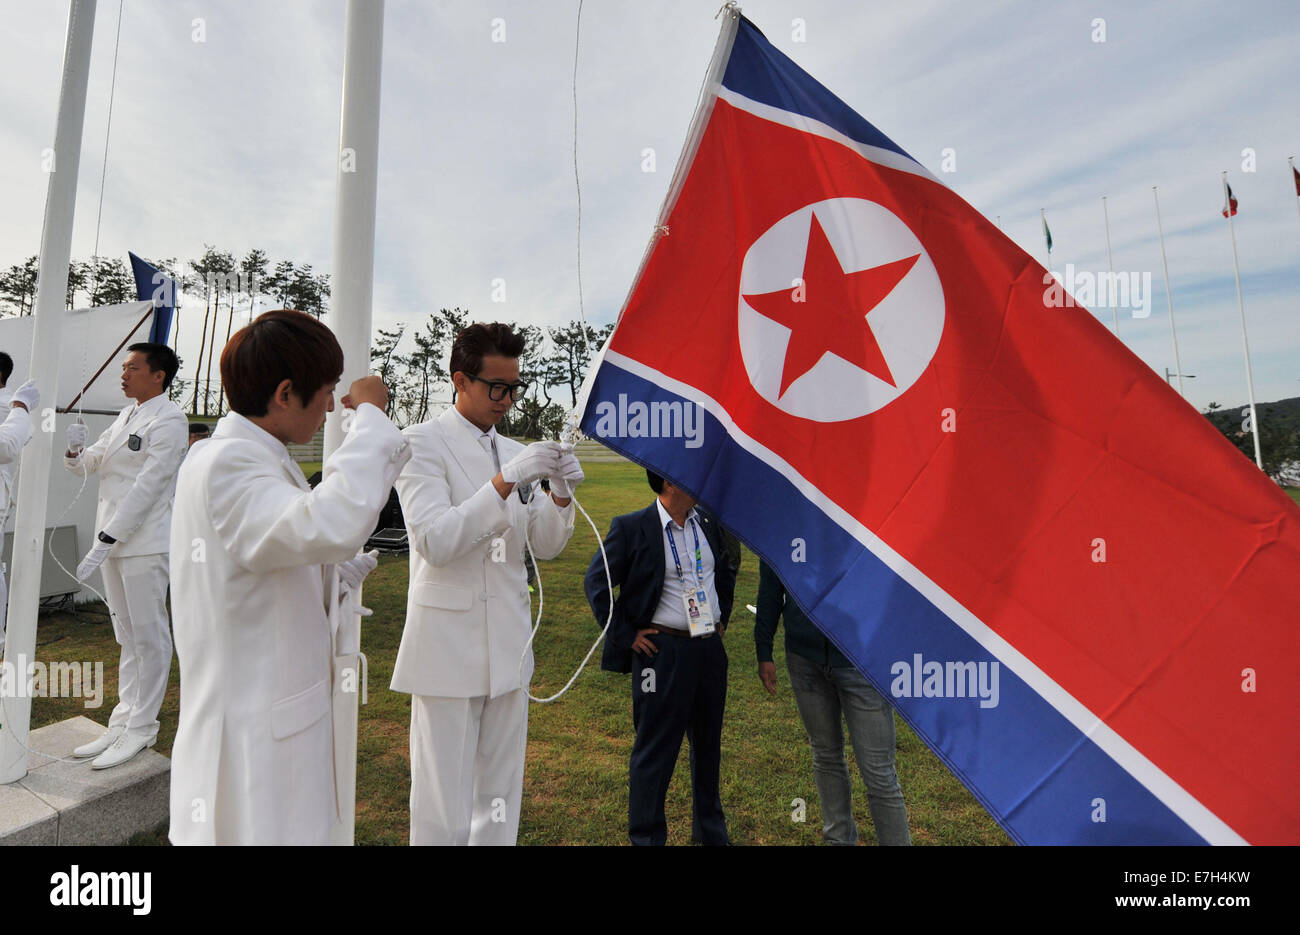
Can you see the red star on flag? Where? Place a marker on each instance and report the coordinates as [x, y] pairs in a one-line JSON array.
[[829, 313]]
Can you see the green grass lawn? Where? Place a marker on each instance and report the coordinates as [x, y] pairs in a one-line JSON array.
[[575, 785]]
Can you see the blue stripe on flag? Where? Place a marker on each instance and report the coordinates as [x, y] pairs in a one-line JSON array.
[[1035, 772], [761, 73]]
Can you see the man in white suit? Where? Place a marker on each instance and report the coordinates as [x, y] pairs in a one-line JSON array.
[[262, 570], [136, 460], [467, 496], [15, 430]]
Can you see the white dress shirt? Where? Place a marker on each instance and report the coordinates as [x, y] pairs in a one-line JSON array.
[[671, 612], [488, 439]]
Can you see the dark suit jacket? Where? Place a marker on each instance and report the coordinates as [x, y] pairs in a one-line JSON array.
[[635, 550]]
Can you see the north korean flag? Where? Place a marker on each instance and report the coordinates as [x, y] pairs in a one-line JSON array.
[[1070, 585]]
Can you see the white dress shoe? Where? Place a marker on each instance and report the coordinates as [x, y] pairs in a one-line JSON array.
[[99, 744], [122, 750]]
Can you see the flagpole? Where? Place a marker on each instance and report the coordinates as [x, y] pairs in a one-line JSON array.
[[1245, 344], [1110, 268], [353, 269], [47, 328], [1169, 293]]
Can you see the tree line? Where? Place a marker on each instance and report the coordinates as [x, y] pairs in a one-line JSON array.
[[411, 358], [226, 285], [554, 364], [1279, 435]]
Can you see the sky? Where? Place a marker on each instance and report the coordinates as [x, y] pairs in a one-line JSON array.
[[225, 124]]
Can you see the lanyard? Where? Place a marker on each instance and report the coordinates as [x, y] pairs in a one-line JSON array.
[[699, 555]]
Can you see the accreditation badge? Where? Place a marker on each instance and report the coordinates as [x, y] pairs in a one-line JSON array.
[[698, 612]]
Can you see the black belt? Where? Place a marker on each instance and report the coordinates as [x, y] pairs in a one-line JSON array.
[[686, 634]]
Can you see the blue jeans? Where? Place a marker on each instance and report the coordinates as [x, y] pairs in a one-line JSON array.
[[823, 694]]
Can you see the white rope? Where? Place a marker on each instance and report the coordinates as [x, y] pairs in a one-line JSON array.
[[577, 183], [540, 600], [103, 170]]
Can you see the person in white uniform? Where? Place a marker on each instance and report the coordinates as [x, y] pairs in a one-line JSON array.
[[136, 460], [467, 496], [15, 431], [264, 572]]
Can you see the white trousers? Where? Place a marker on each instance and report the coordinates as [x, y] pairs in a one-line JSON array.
[[467, 768], [136, 588], [4, 601]]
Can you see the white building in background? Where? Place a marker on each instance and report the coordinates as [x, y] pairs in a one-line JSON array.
[[90, 337]]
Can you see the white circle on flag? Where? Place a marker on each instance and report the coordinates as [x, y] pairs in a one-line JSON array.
[[907, 323]]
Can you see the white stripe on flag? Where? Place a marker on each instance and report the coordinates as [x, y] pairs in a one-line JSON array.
[[876, 154]]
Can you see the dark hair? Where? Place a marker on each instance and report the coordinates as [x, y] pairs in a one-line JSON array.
[[199, 428], [277, 346], [6, 367], [656, 482], [159, 357], [477, 341]]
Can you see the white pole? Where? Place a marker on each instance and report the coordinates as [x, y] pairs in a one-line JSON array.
[[1110, 269], [1245, 344], [353, 277], [47, 327], [1169, 293]]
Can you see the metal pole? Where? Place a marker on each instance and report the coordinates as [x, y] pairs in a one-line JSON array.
[[47, 328], [353, 272], [1110, 268], [1169, 293], [1245, 344]]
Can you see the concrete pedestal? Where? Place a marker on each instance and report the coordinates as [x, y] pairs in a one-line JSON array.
[[61, 802]]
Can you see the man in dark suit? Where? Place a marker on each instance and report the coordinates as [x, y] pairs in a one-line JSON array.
[[661, 559]]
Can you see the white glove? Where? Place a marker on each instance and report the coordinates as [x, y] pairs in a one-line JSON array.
[[538, 460], [568, 475], [354, 570], [94, 558], [78, 435], [29, 396]]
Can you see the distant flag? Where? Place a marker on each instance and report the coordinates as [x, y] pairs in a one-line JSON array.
[[153, 285], [1047, 234], [1229, 200], [1062, 576], [1295, 177]]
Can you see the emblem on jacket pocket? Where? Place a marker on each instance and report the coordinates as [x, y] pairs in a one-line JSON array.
[[134, 442]]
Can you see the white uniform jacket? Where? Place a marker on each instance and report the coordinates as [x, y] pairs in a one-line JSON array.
[[15, 430], [136, 481], [255, 610], [467, 615]]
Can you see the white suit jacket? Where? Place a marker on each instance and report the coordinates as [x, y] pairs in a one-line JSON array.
[[136, 486], [15, 430], [254, 610], [467, 615]]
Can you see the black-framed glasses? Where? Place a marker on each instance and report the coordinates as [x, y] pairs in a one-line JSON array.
[[497, 389]]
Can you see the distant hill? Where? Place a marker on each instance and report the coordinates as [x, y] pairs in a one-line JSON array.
[[1288, 410]]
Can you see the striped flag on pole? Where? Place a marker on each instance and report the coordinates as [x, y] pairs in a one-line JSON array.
[[1229, 200], [1065, 579]]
